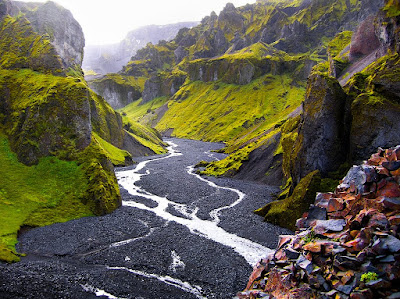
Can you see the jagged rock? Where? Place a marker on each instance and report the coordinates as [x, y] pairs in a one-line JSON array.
[[321, 134], [381, 115], [65, 32], [159, 86], [362, 242], [180, 54], [364, 41], [117, 90]]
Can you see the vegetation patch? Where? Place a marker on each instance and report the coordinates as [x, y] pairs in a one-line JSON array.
[[285, 212], [49, 192]]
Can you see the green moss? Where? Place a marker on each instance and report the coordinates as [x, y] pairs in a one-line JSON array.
[[117, 156], [102, 195], [341, 41], [143, 113], [21, 47], [36, 195], [200, 110], [392, 8], [369, 276], [285, 212]]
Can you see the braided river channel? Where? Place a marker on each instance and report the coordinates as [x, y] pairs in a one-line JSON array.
[[177, 235]]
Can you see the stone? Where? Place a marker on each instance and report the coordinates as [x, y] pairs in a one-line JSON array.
[[387, 259], [284, 239], [355, 177], [346, 262], [316, 213], [292, 254], [394, 296], [391, 165], [346, 289], [334, 204], [323, 226], [362, 294], [394, 220], [304, 264], [378, 220], [391, 189], [313, 247], [379, 284], [393, 244], [390, 203]]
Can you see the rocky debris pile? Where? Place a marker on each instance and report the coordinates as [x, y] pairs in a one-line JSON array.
[[347, 244]]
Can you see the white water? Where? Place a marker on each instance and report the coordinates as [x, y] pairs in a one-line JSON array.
[[98, 292], [251, 251], [185, 286]]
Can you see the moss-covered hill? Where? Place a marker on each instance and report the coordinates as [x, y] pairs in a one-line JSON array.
[[237, 77], [241, 78], [58, 139]]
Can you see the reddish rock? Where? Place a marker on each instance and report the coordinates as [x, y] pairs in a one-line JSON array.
[[394, 220], [391, 189], [362, 294], [334, 204], [278, 284], [378, 220], [390, 203], [284, 239], [255, 275], [313, 247]]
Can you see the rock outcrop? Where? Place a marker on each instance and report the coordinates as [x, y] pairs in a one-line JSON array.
[[118, 90], [346, 246], [65, 33], [322, 135]]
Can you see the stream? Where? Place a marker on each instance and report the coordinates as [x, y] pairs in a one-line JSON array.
[[177, 235]]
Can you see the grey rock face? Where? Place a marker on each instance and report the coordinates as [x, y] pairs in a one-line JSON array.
[[117, 95], [180, 54], [324, 145], [65, 32]]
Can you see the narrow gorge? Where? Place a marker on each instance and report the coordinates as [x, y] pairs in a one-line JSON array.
[[253, 154]]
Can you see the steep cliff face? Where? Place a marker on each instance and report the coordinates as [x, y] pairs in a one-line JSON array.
[[65, 33], [54, 128], [118, 90]]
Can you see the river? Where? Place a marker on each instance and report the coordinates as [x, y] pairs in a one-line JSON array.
[[177, 235]]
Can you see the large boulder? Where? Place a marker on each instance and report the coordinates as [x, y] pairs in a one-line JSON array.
[[364, 41]]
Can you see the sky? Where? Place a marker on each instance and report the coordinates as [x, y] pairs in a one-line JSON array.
[[105, 22]]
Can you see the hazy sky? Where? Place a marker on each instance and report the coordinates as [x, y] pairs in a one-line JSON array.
[[105, 22]]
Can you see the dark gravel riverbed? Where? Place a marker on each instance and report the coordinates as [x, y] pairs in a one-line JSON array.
[[145, 251]]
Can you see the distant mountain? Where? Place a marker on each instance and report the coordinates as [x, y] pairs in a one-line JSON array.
[[103, 59]]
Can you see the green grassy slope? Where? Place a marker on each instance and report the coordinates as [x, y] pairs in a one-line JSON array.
[[48, 192]]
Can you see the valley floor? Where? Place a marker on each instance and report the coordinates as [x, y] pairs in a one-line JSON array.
[[177, 235]]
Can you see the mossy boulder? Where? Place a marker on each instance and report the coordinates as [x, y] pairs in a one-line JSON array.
[[47, 115], [285, 212]]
